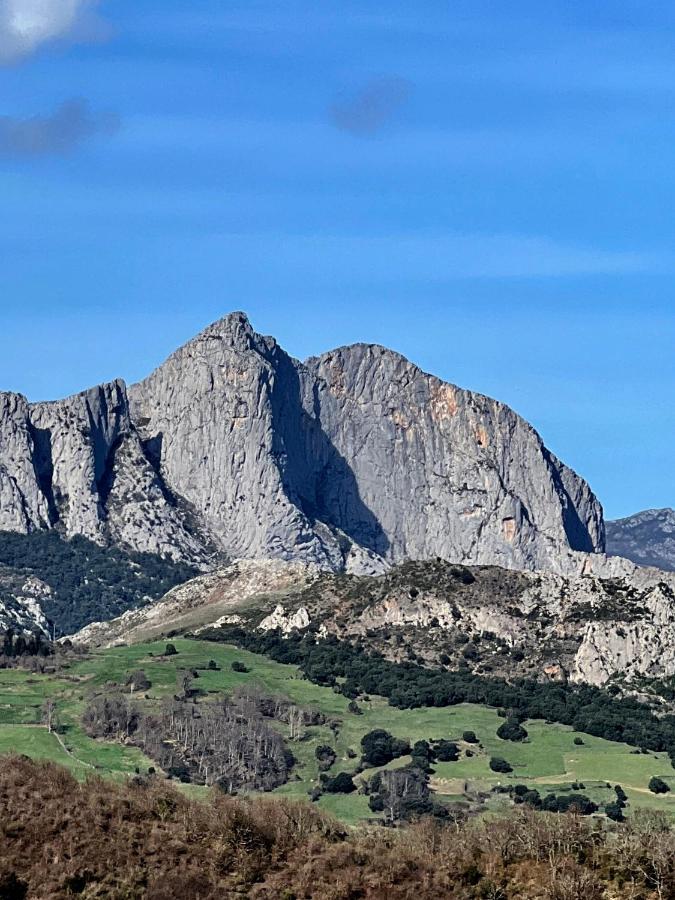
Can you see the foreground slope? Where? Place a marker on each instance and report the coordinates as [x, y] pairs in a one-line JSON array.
[[354, 461]]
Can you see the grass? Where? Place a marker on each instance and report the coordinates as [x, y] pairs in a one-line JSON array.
[[548, 761]]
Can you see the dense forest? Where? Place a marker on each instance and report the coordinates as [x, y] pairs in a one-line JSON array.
[[60, 837], [407, 685], [89, 583]]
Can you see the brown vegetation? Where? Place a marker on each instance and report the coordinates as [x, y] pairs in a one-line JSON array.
[[144, 839]]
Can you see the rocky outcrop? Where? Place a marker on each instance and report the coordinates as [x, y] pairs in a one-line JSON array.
[[78, 465], [496, 621], [355, 460], [214, 598], [647, 538], [21, 599]]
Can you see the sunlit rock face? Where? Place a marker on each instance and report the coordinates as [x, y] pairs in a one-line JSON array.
[[354, 460]]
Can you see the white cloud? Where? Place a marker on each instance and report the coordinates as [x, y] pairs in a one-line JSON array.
[[25, 25]]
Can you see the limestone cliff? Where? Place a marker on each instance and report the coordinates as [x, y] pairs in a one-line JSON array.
[[355, 460]]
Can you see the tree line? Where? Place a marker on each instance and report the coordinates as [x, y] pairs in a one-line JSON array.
[[408, 685]]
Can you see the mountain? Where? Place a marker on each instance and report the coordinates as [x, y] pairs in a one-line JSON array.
[[354, 460], [647, 538], [494, 621]]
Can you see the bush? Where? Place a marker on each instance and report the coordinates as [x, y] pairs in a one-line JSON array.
[[470, 737], [379, 747], [341, 784], [170, 650], [326, 756], [511, 730], [497, 764], [658, 786], [238, 666], [212, 665], [578, 742]]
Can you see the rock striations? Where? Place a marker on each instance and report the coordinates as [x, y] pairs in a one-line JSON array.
[[354, 460]]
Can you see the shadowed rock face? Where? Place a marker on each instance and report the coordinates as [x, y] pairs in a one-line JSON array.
[[353, 460], [647, 538]]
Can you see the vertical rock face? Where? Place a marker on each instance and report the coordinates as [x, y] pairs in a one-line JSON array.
[[355, 459], [22, 504], [355, 456], [78, 464], [443, 471]]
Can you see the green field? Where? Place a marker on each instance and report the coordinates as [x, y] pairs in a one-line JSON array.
[[549, 760]]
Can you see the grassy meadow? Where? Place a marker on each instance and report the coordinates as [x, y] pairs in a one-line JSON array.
[[548, 761]]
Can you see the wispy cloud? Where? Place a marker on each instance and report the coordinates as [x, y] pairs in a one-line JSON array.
[[368, 110], [57, 133], [25, 25]]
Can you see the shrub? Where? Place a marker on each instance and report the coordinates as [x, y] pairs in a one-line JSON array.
[[578, 742], [343, 783], [511, 730], [238, 666], [170, 650], [658, 786], [497, 764], [470, 737]]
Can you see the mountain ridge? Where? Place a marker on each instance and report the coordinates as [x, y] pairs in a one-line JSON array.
[[353, 460]]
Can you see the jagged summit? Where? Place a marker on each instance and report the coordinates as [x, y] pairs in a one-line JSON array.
[[355, 459]]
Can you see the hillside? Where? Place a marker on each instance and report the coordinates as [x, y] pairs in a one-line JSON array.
[[647, 538], [44, 577], [550, 760], [354, 460], [63, 838], [486, 619]]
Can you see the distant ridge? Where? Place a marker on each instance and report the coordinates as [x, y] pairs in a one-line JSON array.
[[647, 538]]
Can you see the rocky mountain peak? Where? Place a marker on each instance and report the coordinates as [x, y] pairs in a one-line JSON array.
[[353, 460]]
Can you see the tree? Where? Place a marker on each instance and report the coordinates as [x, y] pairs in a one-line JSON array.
[[658, 786], [446, 751], [326, 756], [138, 681], [469, 737], [170, 650], [343, 783], [614, 811], [578, 742], [511, 730], [379, 747], [238, 666], [50, 715], [497, 764]]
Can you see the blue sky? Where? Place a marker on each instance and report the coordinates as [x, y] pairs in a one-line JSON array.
[[486, 187]]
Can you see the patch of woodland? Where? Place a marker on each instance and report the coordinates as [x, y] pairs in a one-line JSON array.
[[89, 583], [230, 742], [355, 671]]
